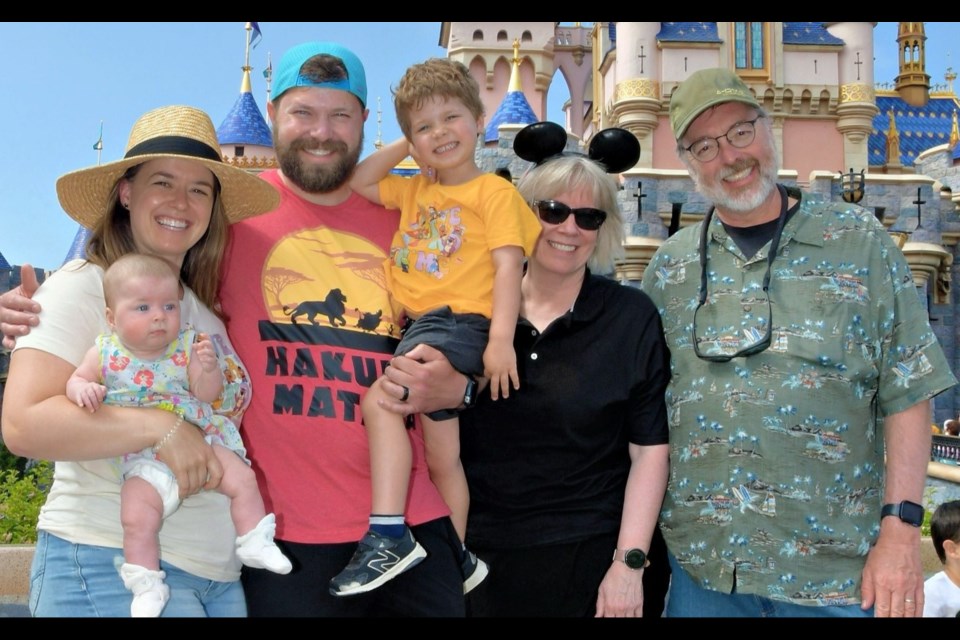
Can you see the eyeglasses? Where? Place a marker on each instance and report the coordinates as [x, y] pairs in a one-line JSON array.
[[739, 135], [758, 345], [556, 212]]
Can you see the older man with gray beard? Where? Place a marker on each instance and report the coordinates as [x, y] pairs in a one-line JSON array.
[[803, 367]]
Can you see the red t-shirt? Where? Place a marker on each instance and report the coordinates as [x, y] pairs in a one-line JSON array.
[[309, 314]]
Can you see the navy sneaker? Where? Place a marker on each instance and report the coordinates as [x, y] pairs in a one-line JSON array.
[[474, 571], [377, 560]]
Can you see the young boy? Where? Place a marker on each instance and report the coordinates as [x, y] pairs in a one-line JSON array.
[[455, 268], [941, 592]]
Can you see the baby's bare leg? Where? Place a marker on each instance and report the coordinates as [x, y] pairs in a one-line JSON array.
[[141, 515], [239, 483]]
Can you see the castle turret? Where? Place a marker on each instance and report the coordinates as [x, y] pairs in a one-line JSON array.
[[913, 82]]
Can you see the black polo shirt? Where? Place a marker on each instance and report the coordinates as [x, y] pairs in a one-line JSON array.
[[549, 464]]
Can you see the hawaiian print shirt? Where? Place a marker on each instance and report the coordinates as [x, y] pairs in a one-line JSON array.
[[776, 459]]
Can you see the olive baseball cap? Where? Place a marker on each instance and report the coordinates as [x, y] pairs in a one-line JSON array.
[[288, 71], [704, 89]]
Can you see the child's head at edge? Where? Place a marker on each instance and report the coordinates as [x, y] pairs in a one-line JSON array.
[[945, 526]]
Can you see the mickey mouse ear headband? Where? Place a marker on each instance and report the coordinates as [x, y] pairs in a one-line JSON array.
[[614, 149]]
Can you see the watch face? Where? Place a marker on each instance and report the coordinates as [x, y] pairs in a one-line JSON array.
[[635, 558], [911, 513]]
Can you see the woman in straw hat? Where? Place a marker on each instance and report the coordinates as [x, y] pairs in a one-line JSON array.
[[170, 196]]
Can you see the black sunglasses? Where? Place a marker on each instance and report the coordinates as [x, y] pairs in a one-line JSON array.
[[763, 342], [555, 212]]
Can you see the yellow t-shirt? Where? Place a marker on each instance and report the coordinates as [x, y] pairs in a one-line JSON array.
[[440, 255]]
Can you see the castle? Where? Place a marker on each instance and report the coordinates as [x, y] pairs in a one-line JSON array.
[[816, 81]]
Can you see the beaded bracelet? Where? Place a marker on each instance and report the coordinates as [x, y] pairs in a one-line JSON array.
[[165, 439]]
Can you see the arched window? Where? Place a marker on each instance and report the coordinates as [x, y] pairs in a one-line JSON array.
[[501, 35], [477, 35], [526, 36]]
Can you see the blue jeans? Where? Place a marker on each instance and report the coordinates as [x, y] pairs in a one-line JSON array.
[[687, 599], [81, 580]]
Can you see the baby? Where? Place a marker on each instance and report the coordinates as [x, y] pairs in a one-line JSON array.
[[148, 361]]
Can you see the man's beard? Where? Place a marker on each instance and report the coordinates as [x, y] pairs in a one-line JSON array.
[[316, 179], [748, 200]]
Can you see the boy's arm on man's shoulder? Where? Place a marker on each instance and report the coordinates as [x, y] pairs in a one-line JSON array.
[[375, 167]]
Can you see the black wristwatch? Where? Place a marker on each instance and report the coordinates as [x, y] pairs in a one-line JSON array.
[[634, 558], [909, 512], [470, 393], [469, 399]]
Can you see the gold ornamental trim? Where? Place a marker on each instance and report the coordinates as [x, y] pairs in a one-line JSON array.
[[857, 92], [636, 88]]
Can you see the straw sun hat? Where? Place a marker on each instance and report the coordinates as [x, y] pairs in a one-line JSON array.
[[167, 132]]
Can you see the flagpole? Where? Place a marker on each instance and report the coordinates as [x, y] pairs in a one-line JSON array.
[[268, 75], [246, 55], [99, 144]]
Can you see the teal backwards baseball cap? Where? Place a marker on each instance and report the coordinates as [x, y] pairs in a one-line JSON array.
[[289, 73], [704, 89]]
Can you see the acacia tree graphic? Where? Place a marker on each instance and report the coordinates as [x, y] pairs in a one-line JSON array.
[[364, 265], [275, 279]]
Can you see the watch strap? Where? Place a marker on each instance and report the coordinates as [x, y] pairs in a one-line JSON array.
[[897, 509], [470, 392]]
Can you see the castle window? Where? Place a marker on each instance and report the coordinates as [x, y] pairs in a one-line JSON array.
[[238, 151], [478, 35], [501, 36], [751, 48], [748, 40], [526, 36]]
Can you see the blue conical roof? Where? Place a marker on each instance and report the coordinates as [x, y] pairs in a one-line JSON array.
[[245, 124], [3, 262], [78, 246], [514, 109]]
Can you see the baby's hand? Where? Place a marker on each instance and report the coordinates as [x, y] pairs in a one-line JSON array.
[[89, 395], [500, 366], [205, 353]]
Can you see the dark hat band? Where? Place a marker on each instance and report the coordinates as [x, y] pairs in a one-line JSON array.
[[174, 145]]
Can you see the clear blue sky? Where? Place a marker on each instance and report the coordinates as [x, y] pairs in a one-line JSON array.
[[61, 79]]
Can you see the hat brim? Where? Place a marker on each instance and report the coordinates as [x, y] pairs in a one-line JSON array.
[[83, 193], [710, 104]]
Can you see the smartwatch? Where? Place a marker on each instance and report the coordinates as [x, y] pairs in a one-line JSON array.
[[634, 558], [470, 393], [909, 512]]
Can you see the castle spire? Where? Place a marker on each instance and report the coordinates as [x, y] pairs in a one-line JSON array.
[[514, 110], [913, 83], [245, 139], [515, 84], [893, 142], [954, 132]]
